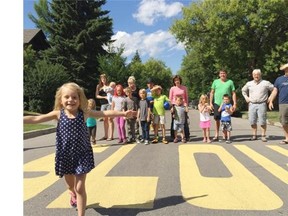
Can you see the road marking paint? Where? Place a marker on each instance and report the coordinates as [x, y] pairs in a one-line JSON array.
[[35, 185], [279, 150], [242, 191], [116, 191], [267, 164]]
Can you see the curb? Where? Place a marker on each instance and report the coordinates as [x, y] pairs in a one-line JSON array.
[[32, 134]]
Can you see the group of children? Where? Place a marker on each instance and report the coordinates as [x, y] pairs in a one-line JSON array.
[[152, 111]]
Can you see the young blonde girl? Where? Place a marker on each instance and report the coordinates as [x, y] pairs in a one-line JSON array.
[[205, 122], [91, 122], [74, 155]]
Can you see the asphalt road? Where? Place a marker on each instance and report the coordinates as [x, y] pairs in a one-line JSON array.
[[242, 178]]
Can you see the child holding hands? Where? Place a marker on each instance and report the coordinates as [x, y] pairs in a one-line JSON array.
[[226, 110]]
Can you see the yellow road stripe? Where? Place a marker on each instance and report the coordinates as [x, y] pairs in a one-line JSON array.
[[242, 191], [267, 164], [116, 191]]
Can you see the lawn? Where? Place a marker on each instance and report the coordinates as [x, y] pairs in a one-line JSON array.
[[31, 127]]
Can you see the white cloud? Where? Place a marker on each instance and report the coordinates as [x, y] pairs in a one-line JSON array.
[[154, 45], [151, 10]]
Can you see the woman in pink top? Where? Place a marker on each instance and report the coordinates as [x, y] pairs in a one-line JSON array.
[[179, 89]]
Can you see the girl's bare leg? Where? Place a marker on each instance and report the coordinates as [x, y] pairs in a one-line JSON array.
[[81, 194]]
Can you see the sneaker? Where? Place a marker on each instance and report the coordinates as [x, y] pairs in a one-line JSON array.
[[183, 140], [228, 141], [164, 141], [142, 140], [221, 140], [138, 141], [146, 142]]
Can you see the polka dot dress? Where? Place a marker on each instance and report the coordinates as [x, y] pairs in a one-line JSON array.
[[74, 154]]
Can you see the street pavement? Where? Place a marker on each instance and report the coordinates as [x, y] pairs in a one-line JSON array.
[[242, 178]]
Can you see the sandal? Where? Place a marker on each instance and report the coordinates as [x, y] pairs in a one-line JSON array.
[[264, 139], [164, 141], [253, 138], [73, 200], [175, 140], [109, 139], [215, 138], [283, 142], [155, 140], [183, 140], [103, 138]]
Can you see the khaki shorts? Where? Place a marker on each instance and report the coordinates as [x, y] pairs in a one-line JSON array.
[[159, 119], [283, 114]]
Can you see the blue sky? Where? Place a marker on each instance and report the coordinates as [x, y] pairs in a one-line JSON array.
[[141, 25]]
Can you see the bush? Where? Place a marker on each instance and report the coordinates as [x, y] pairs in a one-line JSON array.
[[40, 85]]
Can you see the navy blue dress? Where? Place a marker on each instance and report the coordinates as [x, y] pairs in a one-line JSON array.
[[74, 154]]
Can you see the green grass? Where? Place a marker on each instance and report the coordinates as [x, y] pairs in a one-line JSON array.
[[272, 116], [31, 127]]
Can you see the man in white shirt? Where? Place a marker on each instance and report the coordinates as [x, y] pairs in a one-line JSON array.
[[256, 93]]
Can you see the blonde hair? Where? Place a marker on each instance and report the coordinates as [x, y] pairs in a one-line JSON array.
[[131, 79], [143, 91], [203, 99], [74, 87], [91, 104], [128, 89], [112, 84]]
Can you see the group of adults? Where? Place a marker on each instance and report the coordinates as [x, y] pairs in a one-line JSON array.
[[258, 93]]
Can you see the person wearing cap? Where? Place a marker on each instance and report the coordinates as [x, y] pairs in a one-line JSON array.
[[256, 93], [159, 113], [281, 88]]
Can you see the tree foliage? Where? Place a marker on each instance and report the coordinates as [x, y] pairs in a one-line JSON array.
[[232, 34], [77, 31], [40, 84]]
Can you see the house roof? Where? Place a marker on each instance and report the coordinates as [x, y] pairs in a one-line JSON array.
[[29, 34], [36, 38]]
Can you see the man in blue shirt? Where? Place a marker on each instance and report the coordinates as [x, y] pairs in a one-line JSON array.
[[281, 88]]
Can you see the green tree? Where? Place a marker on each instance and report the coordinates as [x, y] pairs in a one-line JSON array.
[[236, 35], [159, 72], [40, 84], [77, 31], [113, 65]]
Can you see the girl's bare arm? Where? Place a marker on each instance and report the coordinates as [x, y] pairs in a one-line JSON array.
[[53, 115], [110, 113]]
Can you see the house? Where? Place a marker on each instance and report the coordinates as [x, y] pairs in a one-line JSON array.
[[36, 38]]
